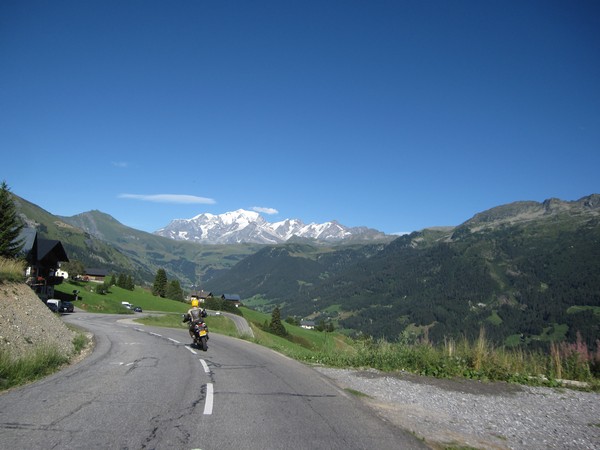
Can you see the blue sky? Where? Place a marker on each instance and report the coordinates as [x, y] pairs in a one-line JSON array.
[[396, 115]]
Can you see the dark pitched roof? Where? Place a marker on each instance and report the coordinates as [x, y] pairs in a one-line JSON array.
[[232, 297], [28, 236], [201, 294], [51, 251], [96, 272], [47, 252]]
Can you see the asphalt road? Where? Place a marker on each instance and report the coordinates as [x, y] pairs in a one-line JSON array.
[[146, 388], [241, 324]]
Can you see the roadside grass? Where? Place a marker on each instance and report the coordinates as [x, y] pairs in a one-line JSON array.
[[356, 393], [41, 362], [11, 270], [479, 360]]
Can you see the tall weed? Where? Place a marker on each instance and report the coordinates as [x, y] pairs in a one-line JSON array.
[[476, 360]]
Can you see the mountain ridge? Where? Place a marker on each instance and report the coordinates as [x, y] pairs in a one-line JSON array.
[[242, 226]]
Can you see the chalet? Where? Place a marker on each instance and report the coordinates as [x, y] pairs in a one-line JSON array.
[[307, 324], [43, 258], [201, 296], [94, 274], [234, 298]]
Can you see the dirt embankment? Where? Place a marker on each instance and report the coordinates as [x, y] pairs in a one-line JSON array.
[[26, 323]]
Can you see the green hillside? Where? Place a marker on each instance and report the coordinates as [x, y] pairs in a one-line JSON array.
[[78, 244], [278, 273], [527, 272]]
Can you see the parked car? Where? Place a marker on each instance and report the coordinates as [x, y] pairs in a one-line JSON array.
[[54, 304], [67, 307], [137, 309]]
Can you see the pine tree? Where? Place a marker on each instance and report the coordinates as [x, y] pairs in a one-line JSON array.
[[174, 291], [159, 288], [129, 283], [276, 326], [10, 225]]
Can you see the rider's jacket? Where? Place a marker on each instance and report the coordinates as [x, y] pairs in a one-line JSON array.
[[195, 314]]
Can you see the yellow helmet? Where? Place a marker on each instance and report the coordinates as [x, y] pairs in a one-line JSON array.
[[194, 303]]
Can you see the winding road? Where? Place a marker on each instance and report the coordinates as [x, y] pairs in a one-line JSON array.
[[146, 388]]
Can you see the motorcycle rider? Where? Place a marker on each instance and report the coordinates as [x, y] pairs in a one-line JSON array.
[[194, 316]]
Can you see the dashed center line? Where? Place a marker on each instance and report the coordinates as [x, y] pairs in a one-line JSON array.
[[206, 369], [208, 405]]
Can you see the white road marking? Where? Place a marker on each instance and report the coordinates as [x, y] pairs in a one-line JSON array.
[[208, 405], [206, 369], [191, 350], [155, 334], [173, 340]]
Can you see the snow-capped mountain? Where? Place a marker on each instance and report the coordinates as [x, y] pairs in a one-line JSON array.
[[243, 226]]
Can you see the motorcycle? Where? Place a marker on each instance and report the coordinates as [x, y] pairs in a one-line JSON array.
[[201, 335], [199, 331]]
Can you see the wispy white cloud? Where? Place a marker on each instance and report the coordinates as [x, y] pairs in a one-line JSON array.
[[170, 198], [120, 164], [260, 209]]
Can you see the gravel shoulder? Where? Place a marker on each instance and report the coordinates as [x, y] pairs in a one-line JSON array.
[[471, 414]]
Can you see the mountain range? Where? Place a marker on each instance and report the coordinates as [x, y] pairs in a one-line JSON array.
[[243, 226], [528, 272]]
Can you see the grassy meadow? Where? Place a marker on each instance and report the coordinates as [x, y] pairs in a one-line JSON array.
[[110, 303]]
